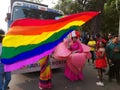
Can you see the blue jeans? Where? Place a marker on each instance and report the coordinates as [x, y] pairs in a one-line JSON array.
[[5, 78]]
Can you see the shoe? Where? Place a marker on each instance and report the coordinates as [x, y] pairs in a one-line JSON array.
[[40, 88], [100, 83], [8, 87]]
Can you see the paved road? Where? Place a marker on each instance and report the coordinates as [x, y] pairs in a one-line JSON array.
[[29, 81]]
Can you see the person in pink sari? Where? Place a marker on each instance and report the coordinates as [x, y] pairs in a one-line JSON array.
[[75, 47], [75, 53]]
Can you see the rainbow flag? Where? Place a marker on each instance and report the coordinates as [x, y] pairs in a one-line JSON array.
[[29, 40]]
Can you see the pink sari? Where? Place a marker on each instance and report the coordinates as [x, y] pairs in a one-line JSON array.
[[75, 57]]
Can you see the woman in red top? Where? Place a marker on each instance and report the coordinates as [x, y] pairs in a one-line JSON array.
[[100, 62]]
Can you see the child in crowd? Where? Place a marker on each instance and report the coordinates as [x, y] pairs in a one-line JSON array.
[[100, 62]]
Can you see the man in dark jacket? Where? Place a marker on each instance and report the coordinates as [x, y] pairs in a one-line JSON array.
[[113, 55]]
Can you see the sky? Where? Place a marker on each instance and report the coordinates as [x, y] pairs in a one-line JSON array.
[[4, 8]]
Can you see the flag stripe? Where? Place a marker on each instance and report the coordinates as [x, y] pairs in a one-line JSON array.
[[21, 49], [25, 62], [34, 22], [36, 51], [37, 30], [35, 39]]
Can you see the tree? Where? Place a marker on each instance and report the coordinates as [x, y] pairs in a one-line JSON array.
[[107, 21], [83, 3], [96, 5], [118, 9], [110, 17], [37, 1], [69, 6]]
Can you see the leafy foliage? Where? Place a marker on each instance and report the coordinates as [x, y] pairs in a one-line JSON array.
[[111, 17], [107, 21], [69, 7]]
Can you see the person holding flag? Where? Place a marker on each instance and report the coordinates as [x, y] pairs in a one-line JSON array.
[[5, 77]]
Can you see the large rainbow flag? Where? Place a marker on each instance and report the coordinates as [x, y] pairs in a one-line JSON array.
[[29, 40]]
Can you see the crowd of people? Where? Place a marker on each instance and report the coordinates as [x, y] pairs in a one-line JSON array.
[[105, 51], [100, 51]]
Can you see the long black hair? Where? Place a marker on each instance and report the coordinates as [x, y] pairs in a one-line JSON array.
[[2, 33]]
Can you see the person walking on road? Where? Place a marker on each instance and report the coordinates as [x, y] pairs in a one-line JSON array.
[[113, 55], [5, 77]]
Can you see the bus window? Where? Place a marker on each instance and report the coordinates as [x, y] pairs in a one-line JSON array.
[[23, 12]]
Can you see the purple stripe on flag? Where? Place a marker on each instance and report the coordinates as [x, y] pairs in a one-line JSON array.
[[25, 62]]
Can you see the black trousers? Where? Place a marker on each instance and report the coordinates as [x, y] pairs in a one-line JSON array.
[[93, 56], [114, 70]]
